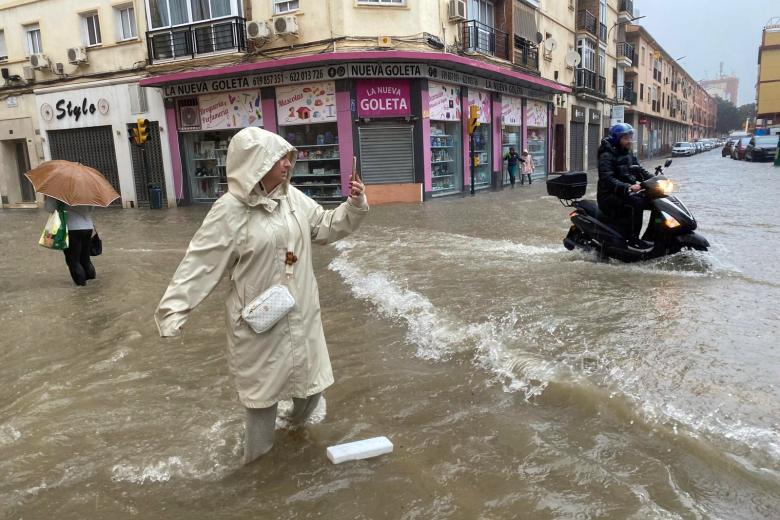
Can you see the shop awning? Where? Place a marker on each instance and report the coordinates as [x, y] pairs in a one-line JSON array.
[[452, 62]]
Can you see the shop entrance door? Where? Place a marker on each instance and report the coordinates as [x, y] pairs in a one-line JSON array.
[[594, 140], [151, 173], [22, 167], [577, 145], [93, 146], [560, 148], [386, 153]]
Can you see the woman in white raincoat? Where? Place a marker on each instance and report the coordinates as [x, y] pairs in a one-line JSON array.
[[249, 233]]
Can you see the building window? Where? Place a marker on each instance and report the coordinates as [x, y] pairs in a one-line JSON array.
[[167, 13], [378, 2], [641, 91], [285, 6], [33, 39], [125, 22], [3, 51], [91, 25], [482, 11], [587, 50]]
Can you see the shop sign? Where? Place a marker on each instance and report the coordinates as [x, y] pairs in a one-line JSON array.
[[11, 102], [618, 114], [311, 103], [577, 114], [349, 71], [443, 102], [595, 117], [65, 108], [511, 111], [230, 110], [482, 100], [383, 98], [536, 114]]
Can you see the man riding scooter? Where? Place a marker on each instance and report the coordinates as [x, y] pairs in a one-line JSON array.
[[619, 187]]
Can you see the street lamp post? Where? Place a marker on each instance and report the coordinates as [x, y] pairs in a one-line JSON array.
[[621, 23]]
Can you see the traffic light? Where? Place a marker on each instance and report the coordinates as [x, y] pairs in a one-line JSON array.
[[473, 118], [133, 134], [143, 131]]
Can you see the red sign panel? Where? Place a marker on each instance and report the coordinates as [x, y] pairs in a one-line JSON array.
[[383, 98]]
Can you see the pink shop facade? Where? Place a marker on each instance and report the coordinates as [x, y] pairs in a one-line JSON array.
[[402, 114]]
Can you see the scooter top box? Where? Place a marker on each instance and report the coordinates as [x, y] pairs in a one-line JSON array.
[[568, 186]]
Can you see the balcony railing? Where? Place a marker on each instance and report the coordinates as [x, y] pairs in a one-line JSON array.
[[626, 50], [625, 94], [589, 80], [482, 38], [202, 38], [602, 32], [586, 21], [526, 54], [627, 6]]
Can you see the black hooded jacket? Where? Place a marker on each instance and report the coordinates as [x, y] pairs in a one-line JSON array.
[[615, 175]]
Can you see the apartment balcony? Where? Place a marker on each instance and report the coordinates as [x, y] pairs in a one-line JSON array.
[[198, 39], [588, 82], [481, 38], [526, 55], [602, 32], [625, 11], [625, 95], [625, 54], [586, 22]]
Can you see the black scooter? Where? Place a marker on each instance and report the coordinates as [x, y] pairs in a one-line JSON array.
[[671, 227]]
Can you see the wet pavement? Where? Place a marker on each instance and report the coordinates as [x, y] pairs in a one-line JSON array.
[[515, 378]]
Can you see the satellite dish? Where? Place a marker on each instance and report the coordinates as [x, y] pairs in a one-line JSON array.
[[573, 58], [550, 44], [539, 37]]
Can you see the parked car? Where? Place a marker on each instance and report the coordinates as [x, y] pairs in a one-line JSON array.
[[728, 147], [699, 146], [683, 149], [738, 151], [761, 148]]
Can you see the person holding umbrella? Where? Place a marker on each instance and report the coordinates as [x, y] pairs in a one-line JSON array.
[[77, 188]]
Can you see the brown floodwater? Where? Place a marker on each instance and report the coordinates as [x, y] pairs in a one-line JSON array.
[[516, 379]]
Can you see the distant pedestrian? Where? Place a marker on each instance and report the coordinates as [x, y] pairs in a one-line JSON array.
[[260, 234], [80, 228], [513, 161], [528, 167]]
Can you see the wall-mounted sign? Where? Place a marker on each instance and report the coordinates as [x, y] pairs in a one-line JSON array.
[[577, 114], [482, 100], [356, 71], [511, 111], [64, 108], [11, 102], [536, 114], [310, 103], [443, 102], [595, 117], [230, 110], [383, 98]]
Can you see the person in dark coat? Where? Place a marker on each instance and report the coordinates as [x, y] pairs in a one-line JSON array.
[[618, 188], [513, 161]]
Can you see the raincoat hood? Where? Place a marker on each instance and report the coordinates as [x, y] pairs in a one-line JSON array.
[[251, 154]]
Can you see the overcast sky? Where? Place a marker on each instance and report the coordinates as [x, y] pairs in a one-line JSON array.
[[707, 32]]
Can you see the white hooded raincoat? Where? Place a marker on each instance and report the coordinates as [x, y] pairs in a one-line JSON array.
[[247, 234]]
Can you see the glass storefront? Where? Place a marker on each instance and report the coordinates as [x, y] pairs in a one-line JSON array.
[[483, 138], [306, 115], [446, 145], [205, 157], [536, 121], [511, 131]]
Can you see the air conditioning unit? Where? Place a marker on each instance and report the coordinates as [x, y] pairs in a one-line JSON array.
[[286, 25], [39, 61], [28, 73], [258, 30], [457, 10], [77, 55]]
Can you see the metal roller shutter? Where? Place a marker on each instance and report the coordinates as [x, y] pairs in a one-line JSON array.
[[594, 140], [93, 146], [156, 175], [386, 154], [577, 145]]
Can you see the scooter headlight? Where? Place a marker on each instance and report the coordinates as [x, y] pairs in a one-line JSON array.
[[666, 186], [669, 221]]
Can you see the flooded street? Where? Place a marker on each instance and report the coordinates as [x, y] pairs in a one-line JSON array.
[[516, 379]]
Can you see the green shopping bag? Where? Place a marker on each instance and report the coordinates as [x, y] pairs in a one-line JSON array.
[[55, 233]]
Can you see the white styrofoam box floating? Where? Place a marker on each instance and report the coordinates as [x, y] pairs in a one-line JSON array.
[[357, 450]]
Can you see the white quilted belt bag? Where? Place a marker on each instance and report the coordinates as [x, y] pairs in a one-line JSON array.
[[264, 311]]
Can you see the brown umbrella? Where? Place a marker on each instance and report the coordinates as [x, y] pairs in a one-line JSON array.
[[72, 183]]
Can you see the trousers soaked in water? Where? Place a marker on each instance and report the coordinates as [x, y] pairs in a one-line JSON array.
[[77, 256], [260, 425]]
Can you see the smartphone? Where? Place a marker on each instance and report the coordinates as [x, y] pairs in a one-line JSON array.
[[355, 176]]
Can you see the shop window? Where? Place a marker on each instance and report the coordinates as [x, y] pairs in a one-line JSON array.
[[446, 139], [34, 44], [125, 22], [3, 51], [90, 24], [316, 171], [285, 6], [205, 156]]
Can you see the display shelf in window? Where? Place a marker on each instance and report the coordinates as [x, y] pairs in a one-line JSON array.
[[446, 157], [205, 155], [317, 167]]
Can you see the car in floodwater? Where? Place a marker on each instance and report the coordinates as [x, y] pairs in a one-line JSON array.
[[738, 151], [761, 148], [683, 149]]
